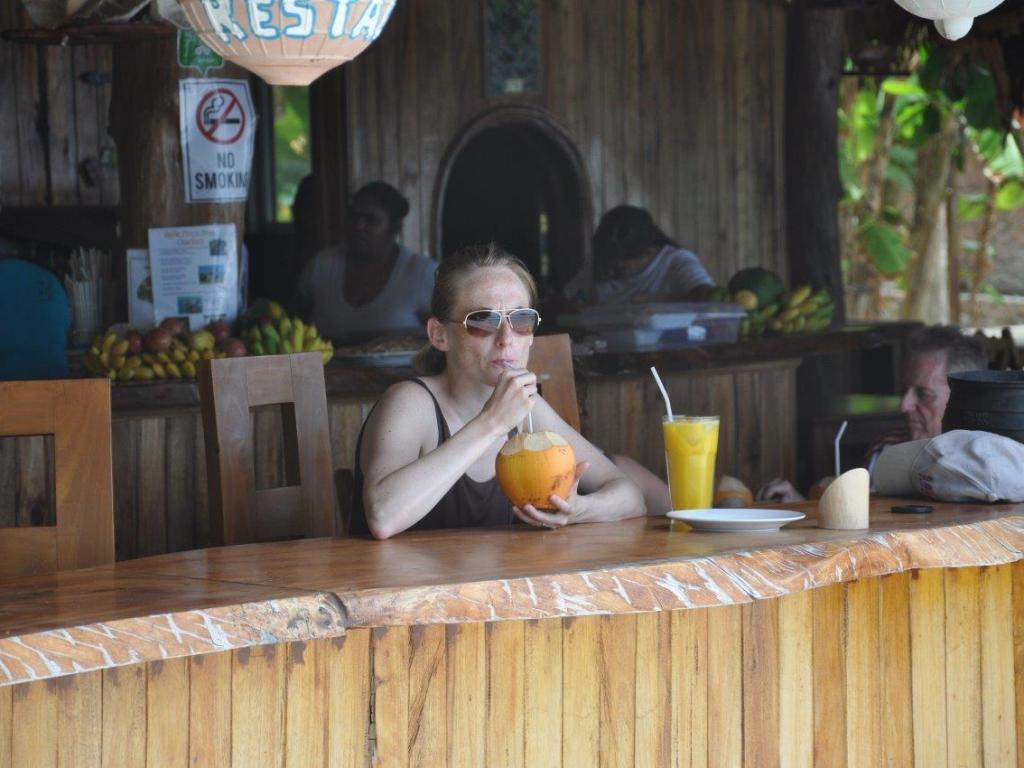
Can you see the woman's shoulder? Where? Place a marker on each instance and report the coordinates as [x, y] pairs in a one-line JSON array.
[[414, 394]]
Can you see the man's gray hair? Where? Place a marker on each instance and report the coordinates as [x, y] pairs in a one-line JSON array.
[[963, 353]]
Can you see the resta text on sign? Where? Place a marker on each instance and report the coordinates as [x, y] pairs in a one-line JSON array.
[[367, 25]]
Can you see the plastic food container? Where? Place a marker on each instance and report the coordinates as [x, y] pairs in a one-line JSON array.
[[633, 327]]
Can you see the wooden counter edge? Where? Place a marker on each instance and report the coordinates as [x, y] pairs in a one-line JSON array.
[[728, 578], [731, 578], [103, 645]]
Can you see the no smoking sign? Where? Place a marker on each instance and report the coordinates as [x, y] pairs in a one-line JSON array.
[[220, 117], [217, 134]]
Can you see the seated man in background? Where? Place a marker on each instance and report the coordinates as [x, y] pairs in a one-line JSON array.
[[932, 353]]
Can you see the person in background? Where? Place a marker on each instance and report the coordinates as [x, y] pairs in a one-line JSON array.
[[932, 353], [635, 262], [425, 457], [369, 285], [36, 316]]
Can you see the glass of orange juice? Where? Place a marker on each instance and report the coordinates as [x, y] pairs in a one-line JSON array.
[[691, 444]]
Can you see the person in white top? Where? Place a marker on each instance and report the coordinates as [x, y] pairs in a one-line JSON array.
[[369, 285], [636, 262]]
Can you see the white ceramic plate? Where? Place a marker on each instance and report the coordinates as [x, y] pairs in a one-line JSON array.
[[728, 520]]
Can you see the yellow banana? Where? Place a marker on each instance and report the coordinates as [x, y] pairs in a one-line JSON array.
[[133, 362], [188, 368], [120, 348], [173, 370], [797, 296], [117, 362], [158, 370], [144, 373], [108, 341], [126, 374]]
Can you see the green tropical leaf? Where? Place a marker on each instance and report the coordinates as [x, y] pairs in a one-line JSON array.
[[1010, 195], [971, 207], [990, 143], [902, 87], [992, 292], [1009, 163], [980, 100], [884, 246]]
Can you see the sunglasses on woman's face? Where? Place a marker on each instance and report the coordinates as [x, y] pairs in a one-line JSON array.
[[485, 322]]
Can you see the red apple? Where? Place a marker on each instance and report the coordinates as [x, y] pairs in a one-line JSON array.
[[233, 347], [134, 339], [173, 325], [220, 330], [158, 340]]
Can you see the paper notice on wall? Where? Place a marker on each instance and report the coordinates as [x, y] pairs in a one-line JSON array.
[[195, 273], [140, 289], [218, 127]]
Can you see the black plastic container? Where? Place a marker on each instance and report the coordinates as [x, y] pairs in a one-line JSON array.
[[992, 401]]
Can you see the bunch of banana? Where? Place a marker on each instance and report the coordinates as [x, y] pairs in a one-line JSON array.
[[109, 357], [803, 309], [797, 311], [287, 335]]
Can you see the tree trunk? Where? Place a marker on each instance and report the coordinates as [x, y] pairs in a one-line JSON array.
[[982, 265], [814, 62], [144, 124], [931, 180], [953, 245]]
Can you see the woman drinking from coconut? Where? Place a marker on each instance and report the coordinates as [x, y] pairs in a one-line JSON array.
[[426, 455]]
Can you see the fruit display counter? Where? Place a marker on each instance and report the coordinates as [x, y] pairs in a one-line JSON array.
[[635, 643]]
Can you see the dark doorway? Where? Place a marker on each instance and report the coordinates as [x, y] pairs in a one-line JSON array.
[[517, 185]]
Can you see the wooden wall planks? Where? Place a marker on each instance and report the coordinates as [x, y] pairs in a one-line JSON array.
[[66, 158], [770, 683], [675, 106]]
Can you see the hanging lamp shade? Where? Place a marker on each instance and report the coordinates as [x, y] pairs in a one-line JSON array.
[[953, 18], [288, 42]]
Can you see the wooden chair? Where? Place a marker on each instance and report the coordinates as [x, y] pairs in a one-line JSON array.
[[551, 356], [228, 390], [77, 414]]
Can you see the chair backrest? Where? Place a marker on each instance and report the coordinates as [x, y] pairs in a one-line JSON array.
[[228, 389], [77, 414], [551, 356]]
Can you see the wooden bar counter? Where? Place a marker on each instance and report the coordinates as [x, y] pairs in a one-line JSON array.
[[158, 447], [630, 643]]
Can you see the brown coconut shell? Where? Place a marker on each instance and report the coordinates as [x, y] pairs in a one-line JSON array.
[[533, 466]]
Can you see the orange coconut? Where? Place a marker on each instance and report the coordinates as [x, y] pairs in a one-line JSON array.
[[534, 465]]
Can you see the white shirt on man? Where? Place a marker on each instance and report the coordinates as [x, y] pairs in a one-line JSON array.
[[401, 306], [672, 273]]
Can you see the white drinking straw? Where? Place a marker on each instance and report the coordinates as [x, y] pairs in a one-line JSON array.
[[835, 445], [664, 394], [529, 422]]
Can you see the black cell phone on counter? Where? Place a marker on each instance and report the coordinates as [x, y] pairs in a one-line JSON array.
[[912, 509]]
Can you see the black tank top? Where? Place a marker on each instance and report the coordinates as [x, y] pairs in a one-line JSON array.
[[467, 504]]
